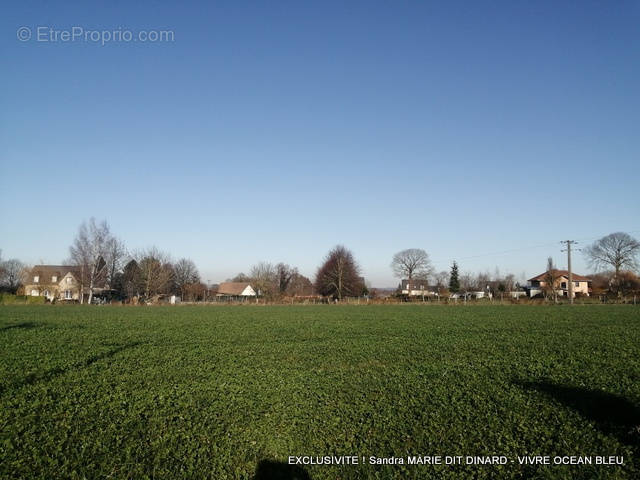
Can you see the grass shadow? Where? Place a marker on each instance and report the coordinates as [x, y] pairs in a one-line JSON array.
[[23, 325], [613, 414], [50, 374], [273, 470]]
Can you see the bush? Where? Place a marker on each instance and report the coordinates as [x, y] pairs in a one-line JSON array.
[[10, 299], [35, 300], [7, 298]]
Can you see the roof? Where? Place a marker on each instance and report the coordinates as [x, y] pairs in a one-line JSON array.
[[561, 273], [45, 272], [232, 288]]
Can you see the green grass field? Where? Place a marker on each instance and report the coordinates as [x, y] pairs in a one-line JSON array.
[[219, 392]]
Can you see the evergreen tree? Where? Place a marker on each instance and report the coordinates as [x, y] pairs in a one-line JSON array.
[[454, 281]]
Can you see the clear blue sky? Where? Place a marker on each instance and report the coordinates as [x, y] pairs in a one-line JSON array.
[[275, 130]]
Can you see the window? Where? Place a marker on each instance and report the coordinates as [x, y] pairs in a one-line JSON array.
[[67, 295], [34, 293], [577, 284], [54, 279], [36, 279], [68, 280], [46, 293], [563, 285]]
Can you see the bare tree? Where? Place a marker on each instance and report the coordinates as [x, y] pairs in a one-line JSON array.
[[115, 256], [509, 282], [617, 250], [196, 291], [299, 285], [186, 274], [285, 274], [628, 283], [264, 278], [467, 282], [88, 251], [482, 281], [156, 272], [411, 263], [11, 274], [338, 276], [441, 279], [551, 277], [241, 277]]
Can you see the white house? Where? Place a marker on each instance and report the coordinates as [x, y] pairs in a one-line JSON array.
[[419, 288]]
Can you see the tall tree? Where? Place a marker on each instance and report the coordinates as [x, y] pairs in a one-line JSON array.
[[285, 274], [618, 251], [411, 263], [339, 275], [185, 275], [131, 280], [88, 251], [454, 279]]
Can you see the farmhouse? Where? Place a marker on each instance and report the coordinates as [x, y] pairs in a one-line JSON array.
[[418, 288], [581, 285], [237, 290], [55, 282]]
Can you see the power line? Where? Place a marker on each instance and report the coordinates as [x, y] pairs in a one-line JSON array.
[[514, 250], [503, 252]]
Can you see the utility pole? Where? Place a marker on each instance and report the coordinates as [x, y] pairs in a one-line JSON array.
[[568, 250]]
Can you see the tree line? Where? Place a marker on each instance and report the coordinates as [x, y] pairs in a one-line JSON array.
[[104, 260]]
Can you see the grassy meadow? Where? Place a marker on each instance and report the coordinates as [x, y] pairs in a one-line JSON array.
[[233, 391]]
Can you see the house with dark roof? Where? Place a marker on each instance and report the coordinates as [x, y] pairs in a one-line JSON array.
[[55, 282], [581, 284]]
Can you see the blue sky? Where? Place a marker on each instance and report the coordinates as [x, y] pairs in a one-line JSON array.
[[275, 130]]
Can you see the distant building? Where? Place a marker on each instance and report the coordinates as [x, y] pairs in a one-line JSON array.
[[472, 295], [581, 285], [239, 290], [57, 283], [382, 292], [517, 293], [419, 288]]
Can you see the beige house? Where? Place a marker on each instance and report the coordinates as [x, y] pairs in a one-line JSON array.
[[581, 285], [55, 282]]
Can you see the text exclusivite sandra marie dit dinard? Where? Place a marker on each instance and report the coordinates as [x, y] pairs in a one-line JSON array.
[[456, 460]]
